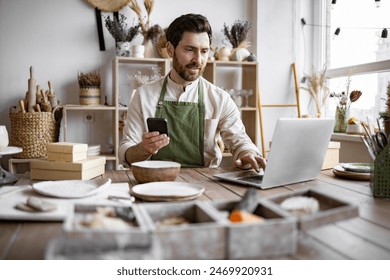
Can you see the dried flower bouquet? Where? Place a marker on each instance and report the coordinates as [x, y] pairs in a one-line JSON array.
[[120, 31], [237, 33], [317, 88]]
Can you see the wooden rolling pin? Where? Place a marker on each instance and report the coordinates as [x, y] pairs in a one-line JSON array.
[[32, 93]]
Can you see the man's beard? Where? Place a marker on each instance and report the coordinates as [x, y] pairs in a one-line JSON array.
[[184, 70]]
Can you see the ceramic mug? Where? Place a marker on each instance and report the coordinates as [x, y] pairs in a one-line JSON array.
[[3, 136]]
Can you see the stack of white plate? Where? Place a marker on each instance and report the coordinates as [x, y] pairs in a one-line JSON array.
[[93, 150]]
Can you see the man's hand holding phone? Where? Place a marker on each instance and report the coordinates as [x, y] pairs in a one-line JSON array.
[[157, 137]]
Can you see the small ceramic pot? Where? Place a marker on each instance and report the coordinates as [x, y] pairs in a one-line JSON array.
[[138, 51], [224, 54]]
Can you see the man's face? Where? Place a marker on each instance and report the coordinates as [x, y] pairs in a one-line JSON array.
[[191, 55]]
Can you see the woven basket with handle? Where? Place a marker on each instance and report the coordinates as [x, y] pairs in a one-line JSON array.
[[33, 131]]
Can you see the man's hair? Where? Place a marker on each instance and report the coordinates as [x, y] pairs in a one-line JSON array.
[[187, 23]]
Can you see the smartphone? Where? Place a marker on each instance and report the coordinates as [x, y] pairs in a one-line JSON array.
[[158, 124]]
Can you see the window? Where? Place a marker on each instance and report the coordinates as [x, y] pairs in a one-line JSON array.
[[358, 52]]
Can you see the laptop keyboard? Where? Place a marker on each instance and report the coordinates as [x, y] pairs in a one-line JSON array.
[[252, 179]]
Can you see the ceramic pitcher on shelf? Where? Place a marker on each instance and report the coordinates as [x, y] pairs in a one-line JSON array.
[[3, 136]]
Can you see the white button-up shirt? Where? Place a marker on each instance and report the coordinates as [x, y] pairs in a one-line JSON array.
[[222, 118]]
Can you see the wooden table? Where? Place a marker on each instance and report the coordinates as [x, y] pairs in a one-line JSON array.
[[364, 237]]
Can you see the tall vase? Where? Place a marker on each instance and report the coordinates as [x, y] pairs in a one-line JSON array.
[[342, 115], [150, 49]]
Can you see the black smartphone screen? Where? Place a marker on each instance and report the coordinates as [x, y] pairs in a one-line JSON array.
[[158, 124]]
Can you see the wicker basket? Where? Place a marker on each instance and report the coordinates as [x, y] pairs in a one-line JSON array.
[[33, 131], [381, 183], [90, 96]]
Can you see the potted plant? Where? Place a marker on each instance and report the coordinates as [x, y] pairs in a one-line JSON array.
[[385, 115], [237, 36], [89, 84], [344, 102], [122, 34]]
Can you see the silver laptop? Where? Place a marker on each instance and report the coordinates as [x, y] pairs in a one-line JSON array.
[[297, 154]]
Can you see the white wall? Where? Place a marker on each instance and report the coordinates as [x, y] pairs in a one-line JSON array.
[[59, 38]]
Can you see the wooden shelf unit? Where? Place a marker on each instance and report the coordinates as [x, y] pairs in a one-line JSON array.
[[239, 75]]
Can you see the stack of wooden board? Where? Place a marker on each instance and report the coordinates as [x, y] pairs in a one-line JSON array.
[[67, 161]]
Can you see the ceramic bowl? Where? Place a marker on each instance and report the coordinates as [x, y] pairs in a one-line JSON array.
[[354, 129], [155, 171]]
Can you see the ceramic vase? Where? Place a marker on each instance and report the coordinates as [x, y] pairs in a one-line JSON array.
[[150, 49], [123, 48], [3, 136], [239, 54]]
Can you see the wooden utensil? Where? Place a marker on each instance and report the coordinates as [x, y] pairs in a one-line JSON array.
[[52, 96], [22, 107], [32, 93]]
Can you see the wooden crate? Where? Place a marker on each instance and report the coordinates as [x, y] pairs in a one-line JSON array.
[[277, 235], [203, 238], [331, 209]]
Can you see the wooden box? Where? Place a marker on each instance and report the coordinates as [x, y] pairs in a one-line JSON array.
[[42, 169], [66, 151], [332, 156], [330, 209], [277, 235], [71, 157], [202, 238], [66, 147]]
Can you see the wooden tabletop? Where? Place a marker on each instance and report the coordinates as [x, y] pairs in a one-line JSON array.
[[364, 237]]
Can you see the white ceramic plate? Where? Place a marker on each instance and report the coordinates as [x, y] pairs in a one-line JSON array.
[[167, 191], [358, 167], [70, 188], [10, 150]]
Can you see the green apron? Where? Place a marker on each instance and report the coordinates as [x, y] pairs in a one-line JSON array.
[[186, 130]]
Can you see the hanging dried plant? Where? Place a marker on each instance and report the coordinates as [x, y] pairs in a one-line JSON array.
[[237, 33], [90, 79], [119, 30], [149, 32]]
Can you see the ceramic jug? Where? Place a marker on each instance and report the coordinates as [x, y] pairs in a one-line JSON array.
[[3, 136]]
